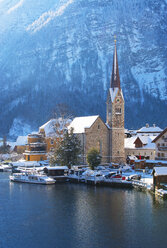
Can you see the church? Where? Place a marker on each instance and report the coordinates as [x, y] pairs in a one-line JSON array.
[[107, 137]]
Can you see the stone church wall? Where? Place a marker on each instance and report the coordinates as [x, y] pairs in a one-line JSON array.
[[97, 136]]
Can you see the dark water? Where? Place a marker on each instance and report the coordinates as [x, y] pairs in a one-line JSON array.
[[78, 216]]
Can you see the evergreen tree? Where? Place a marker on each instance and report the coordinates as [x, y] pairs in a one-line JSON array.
[[68, 150], [5, 148], [93, 158]]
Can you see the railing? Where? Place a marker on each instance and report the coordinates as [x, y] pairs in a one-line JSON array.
[[161, 158], [36, 144], [162, 148], [34, 152]]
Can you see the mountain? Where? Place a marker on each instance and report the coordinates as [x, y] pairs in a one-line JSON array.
[[61, 51]]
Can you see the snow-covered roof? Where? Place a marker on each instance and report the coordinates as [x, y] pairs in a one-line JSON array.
[[160, 135], [21, 140], [148, 129], [146, 140], [129, 142], [11, 144], [26, 163], [160, 171], [113, 93], [132, 157], [50, 126], [156, 161], [57, 167], [80, 123]]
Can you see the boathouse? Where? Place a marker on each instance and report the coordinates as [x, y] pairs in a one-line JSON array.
[[159, 176]]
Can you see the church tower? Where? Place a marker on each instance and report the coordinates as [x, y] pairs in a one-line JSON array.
[[115, 115]]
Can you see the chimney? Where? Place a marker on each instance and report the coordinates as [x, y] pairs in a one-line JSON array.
[[154, 125], [147, 125]]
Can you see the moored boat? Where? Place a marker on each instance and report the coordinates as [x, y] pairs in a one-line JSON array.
[[6, 167], [30, 177]]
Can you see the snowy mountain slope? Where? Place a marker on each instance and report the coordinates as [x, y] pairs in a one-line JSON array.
[[61, 52]]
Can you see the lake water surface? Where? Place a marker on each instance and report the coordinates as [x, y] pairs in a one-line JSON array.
[[79, 216]]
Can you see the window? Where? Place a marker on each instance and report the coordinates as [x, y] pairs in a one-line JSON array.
[[118, 110], [100, 147], [51, 141], [98, 126]]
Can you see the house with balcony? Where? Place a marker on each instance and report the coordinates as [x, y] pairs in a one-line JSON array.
[[35, 148], [161, 145], [140, 147], [53, 131]]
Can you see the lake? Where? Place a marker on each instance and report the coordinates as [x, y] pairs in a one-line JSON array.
[[79, 216]]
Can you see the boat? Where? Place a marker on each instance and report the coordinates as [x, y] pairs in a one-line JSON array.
[[6, 167], [76, 175], [31, 177]]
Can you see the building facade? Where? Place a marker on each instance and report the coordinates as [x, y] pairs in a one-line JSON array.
[[35, 148], [92, 133], [161, 145]]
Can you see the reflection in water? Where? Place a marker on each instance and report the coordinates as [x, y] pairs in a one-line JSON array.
[[69, 215]]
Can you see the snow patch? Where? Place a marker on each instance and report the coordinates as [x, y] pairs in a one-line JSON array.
[[19, 4], [46, 17], [19, 128]]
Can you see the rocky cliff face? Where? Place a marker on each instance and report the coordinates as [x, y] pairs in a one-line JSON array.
[[61, 52]]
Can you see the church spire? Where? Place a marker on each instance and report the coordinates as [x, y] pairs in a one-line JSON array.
[[115, 80]]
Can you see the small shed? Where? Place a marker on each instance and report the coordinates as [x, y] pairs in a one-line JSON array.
[[59, 173], [159, 176], [142, 164]]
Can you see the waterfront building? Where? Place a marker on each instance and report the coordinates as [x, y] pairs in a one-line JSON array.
[[53, 131], [139, 143], [159, 177], [140, 146], [147, 163], [161, 145], [35, 148]]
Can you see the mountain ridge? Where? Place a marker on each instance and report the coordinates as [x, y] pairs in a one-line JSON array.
[[62, 51]]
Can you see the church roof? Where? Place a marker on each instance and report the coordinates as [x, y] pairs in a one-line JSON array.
[[114, 92], [80, 123], [115, 79]]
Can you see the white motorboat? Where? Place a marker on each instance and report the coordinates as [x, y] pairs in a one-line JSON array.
[[6, 167], [30, 177]]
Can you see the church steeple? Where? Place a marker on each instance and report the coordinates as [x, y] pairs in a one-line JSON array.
[[115, 80], [115, 115]]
